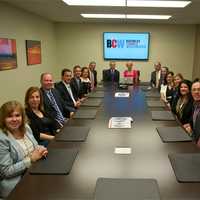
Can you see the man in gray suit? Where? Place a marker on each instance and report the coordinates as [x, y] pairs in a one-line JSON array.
[[155, 75], [93, 75]]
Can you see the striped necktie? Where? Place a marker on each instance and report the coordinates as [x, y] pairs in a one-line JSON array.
[[112, 75], [59, 116], [92, 79]]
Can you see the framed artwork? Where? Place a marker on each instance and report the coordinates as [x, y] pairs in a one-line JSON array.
[[8, 56], [33, 52]]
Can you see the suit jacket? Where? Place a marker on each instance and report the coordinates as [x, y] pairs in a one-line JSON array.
[[95, 77], [107, 76], [195, 127], [48, 107], [76, 90], [12, 161], [66, 96], [153, 79]]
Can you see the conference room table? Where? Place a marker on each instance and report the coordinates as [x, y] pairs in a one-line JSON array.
[[96, 157]]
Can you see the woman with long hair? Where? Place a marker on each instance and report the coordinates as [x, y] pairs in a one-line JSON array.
[[43, 126], [177, 80], [86, 83], [167, 89], [182, 105]]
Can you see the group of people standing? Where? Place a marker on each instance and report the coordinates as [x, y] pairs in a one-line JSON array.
[[26, 132], [130, 75], [181, 96]]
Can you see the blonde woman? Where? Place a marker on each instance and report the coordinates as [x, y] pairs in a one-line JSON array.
[[18, 147]]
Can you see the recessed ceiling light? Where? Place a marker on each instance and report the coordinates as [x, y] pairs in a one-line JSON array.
[[169, 4], [148, 16], [108, 16], [96, 2]]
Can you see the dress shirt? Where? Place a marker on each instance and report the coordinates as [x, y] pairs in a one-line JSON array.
[[68, 87], [78, 80], [157, 78]]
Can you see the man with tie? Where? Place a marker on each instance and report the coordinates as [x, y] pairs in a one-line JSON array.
[[53, 104], [76, 84], [93, 75], [66, 92], [111, 75]]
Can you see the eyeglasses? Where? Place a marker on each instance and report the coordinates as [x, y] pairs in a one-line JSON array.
[[196, 90]]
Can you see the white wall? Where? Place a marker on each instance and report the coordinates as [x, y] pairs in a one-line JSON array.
[[20, 25], [172, 45], [67, 44]]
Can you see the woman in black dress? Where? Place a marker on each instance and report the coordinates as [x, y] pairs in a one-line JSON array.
[[42, 126], [183, 104]]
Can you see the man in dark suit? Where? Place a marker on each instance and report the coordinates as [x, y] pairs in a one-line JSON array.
[[155, 75], [111, 75], [66, 92], [93, 74], [76, 84], [52, 101]]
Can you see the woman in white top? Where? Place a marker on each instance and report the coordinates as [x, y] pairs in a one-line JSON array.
[[18, 148], [166, 91]]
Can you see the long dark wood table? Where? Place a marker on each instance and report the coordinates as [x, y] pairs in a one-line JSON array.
[[96, 158]]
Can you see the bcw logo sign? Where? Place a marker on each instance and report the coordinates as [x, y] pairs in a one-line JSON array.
[[115, 43]]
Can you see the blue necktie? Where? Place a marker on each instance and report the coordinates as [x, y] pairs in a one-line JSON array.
[[112, 75], [78, 83], [59, 116]]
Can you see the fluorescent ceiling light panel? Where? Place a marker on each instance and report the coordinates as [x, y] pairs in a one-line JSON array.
[[148, 16], [167, 4], [121, 16], [108, 16], [96, 2]]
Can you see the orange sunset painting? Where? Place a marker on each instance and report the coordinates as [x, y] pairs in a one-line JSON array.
[[33, 49], [8, 56]]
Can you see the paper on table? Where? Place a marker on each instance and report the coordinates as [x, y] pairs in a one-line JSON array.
[[123, 150], [120, 122], [122, 94]]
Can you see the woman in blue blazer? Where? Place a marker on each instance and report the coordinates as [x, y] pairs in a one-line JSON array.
[[18, 148]]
